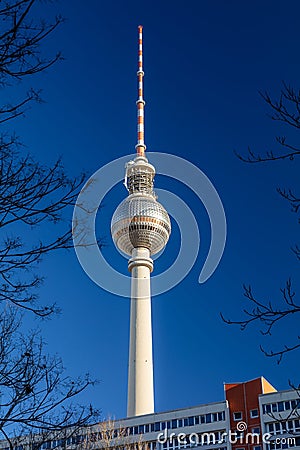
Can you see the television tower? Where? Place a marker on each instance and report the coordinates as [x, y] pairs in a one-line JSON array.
[[140, 228]]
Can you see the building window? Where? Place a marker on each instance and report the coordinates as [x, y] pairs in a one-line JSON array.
[[290, 426], [174, 423], [287, 405], [157, 426], [266, 409], [277, 427], [239, 435], [256, 430], [191, 421], [221, 415], [280, 406], [237, 416], [208, 418], [295, 404], [257, 447], [253, 413]]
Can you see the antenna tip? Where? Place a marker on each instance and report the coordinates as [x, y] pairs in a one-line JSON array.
[[140, 27]]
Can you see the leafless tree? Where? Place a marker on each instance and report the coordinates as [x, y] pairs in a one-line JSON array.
[[112, 434], [36, 397], [20, 50], [30, 194], [273, 313]]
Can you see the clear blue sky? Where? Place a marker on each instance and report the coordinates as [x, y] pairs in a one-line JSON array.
[[204, 63]]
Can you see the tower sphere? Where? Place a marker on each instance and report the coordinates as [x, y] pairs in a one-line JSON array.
[[140, 221]]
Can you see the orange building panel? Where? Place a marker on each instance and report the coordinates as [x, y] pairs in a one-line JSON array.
[[244, 410]]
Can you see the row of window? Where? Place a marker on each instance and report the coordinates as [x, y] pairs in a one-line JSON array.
[[153, 445], [74, 440], [194, 440], [289, 426], [284, 443], [281, 406], [177, 423], [255, 447], [189, 445], [77, 440]]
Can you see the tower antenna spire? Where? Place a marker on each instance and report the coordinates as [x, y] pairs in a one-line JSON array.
[[140, 146]]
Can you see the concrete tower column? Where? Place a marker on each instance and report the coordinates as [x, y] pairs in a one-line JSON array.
[[140, 368]]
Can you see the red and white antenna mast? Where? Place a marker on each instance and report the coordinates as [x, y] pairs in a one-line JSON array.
[[140, 146]]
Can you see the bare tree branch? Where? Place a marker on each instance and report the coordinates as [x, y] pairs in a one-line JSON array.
[[37, 397], [285, 110], [268, 315]]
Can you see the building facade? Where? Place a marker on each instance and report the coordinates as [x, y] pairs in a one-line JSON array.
[[280, 417], [252, 416]]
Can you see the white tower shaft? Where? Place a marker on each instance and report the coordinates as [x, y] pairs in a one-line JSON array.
[[140, 368]]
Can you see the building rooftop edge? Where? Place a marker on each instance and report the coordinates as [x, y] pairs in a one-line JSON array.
[[285, 391], [173, 410]]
